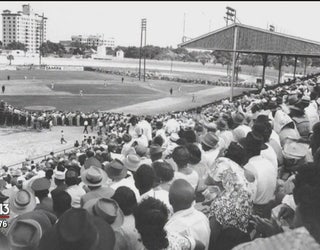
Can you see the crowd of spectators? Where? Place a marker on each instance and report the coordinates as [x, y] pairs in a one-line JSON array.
[[230, 175], [174, 78]]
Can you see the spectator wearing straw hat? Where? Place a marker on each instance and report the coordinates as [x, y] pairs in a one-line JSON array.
[[109, 211], [27, 229], [95, 179]]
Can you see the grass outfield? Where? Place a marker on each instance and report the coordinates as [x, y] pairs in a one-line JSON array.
[[54, 75], [36, 90]]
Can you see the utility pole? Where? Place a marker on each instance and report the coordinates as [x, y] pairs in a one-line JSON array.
[[144, 51], [143, 29], [231, 15]]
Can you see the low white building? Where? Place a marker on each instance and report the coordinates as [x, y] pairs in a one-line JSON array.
[[119, 54]]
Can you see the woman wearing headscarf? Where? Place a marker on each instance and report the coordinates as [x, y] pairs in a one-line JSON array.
[[231, 209]]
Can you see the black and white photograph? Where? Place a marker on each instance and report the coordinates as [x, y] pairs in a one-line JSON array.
[[159, 125]]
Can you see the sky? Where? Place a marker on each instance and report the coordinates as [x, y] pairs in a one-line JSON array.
[[122, 20]]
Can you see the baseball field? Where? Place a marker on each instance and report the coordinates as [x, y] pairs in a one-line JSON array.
[[100, 91], [104, 92]]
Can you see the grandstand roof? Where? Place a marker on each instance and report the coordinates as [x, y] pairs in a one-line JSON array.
[[254, 40]]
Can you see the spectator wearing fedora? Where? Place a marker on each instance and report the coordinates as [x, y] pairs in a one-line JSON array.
[[109, 211], [120, 176], [21, 202], [91, 160], [142, 151], [27, 229], [77, 229], [95, 179], [132, 162], [210, 149]]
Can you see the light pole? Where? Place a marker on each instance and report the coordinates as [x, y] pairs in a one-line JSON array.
[[231, 15], [143, 31], [144, 51]]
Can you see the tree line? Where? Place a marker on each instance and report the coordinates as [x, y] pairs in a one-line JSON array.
[[169, 53]]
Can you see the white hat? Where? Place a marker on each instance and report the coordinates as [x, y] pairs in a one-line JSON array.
[[294, 150], [59, 175], [174, 137]]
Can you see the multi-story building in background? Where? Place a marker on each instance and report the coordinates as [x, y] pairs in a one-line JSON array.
[[94, 40], [25, 27]]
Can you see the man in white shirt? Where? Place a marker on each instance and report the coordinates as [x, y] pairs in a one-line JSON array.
[[76, 191], [146, 127], [141, 139], [261, 175], [172, 125], [186, 219], [264, 129], [119, 175]]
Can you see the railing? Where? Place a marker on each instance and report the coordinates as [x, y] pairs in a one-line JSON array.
[[41, 156]]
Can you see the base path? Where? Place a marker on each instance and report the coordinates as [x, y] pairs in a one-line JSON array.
[[176, 103]]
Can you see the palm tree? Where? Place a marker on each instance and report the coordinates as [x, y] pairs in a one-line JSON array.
[[10, 58]]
